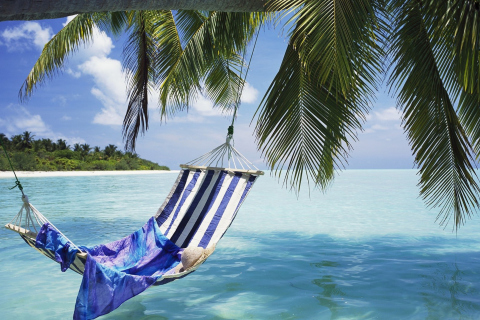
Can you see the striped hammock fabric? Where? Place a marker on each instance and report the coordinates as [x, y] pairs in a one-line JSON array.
[[202, 205]]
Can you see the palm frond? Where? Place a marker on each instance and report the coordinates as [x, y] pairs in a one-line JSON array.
[[223, 82], [319, 97], [455, 26], [138, 64], [77, 32], [113, 22], [441, 147], [343, 36], [304, 125], [209, 57]]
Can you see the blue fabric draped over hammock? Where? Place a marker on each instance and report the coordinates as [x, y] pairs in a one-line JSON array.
[[117, 271]]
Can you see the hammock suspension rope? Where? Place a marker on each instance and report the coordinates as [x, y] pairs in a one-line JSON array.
[[241, 85], [17, 182]]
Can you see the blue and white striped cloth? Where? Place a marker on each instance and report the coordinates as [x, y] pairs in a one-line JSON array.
[[202, 205]]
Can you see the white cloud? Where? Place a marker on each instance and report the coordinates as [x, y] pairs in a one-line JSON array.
[[22, 120], [75, 74], [69, 18], [249, 94], [25, 36], [92, 60], [107, 75], [66, 118], [111, 113], [389, 114], [100, 46], [109, 88], [204, 107], [201, 108], [379, 127]]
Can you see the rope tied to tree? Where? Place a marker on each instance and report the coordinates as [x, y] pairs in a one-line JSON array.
[[241, 84], [17, 182]]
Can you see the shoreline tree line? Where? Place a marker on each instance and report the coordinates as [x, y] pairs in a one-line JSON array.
[[29, 154]]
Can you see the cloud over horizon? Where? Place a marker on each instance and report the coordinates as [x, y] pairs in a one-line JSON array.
[[26, 36], [20, 120]]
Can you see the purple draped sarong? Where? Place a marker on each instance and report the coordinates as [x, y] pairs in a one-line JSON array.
[[118, 271]]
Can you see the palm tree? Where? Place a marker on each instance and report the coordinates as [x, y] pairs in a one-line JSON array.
[[5, 140], [17, 142], [77, 147], [161, 52], [110, 150], [26, 140], [48, 144], [62, 145], [86, 148], [339, 52]]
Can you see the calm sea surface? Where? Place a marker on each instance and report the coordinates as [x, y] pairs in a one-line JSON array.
[[367, 249]]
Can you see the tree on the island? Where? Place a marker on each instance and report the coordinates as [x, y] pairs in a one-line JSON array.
[[62, 145], [110, 150], [97, 149], [86, 148], [77, 147], [48, 144], [26, 140], [338, 53], [37, 145], [131, 155], [16, 141], [5, 140]]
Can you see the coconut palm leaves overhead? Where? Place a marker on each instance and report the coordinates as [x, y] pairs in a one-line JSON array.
[[319, 97], [338, 53], [181, 54]]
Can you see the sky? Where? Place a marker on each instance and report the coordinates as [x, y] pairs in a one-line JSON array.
[[86, 101]]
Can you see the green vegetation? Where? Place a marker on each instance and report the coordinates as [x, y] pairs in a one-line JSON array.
[[29, 154]]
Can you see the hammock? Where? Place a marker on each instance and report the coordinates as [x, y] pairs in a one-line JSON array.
[[197, 212]]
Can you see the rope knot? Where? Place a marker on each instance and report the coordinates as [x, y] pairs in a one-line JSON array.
[[17, 184]]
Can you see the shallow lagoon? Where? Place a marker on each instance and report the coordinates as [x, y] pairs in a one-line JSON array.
[[367, 249]]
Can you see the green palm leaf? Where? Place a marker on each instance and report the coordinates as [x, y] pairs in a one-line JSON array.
[[138, 64], [442, 149], [77, 32], [302, 126], [318, 99], [209, 58], [55, 52]]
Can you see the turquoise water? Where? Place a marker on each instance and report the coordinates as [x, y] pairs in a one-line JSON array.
[[367, 249]]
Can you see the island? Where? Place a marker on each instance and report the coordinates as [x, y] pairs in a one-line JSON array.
[[29, 154]]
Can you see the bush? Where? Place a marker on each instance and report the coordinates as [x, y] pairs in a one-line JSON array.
[[24, 161], [4, 166], [103, 165], [122, 165], [67, 154]]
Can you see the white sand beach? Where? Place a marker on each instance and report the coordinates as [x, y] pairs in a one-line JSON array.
[[38, 174]]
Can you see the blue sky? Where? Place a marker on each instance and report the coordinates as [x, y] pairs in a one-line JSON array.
[[86, 103]]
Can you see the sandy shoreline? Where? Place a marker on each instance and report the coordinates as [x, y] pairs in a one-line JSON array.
[[38, 174]]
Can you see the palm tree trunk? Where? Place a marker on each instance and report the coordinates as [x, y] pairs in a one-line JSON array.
[[51, 9]]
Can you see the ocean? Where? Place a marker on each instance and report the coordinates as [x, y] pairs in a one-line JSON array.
[[368, 248]]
